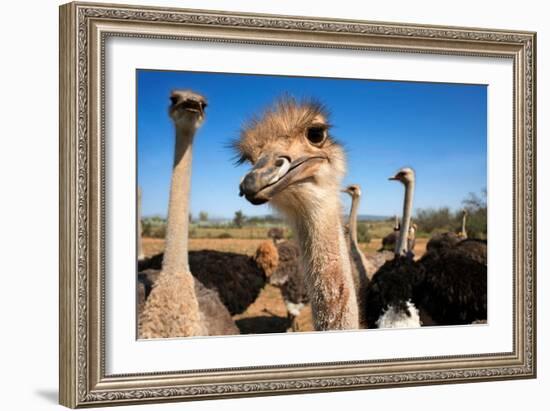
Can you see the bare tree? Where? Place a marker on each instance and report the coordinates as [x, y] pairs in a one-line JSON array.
[[239, 219]]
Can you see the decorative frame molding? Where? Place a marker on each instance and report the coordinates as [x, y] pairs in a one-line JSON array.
[[83, 30]]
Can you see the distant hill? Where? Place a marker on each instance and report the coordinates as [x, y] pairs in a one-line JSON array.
[[267, 218], [369, 217]]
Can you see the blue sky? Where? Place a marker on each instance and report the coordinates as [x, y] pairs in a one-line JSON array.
[[438, 129]]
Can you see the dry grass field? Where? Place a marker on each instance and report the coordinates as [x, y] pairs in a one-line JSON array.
[[152, 246], [270, 303], [247, 232], [376, 243]]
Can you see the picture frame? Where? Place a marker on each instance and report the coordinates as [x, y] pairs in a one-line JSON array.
[[85, 28]]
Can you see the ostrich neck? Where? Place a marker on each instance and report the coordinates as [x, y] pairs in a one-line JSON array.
[[175, 251], [405, 223], [327, 266], [358, 259], [464, 225], [353, 219]]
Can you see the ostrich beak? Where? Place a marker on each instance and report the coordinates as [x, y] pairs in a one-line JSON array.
[[273, 173], [189, 104]]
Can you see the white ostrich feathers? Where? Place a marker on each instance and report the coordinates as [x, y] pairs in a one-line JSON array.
[[394, 318]]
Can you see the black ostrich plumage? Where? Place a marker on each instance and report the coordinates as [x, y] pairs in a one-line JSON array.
[[235, 277], [289, 276], [474, 249], [448, 283], [388, 242], [454, 289], [442, 241], [393, 285]]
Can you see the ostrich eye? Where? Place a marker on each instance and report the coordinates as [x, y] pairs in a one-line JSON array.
[[203, 104], [316, 135], [173, 99]]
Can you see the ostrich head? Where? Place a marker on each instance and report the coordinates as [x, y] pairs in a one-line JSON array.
[[187, 109], [404, 175], [396, 226], [353, 190], [295, 162]]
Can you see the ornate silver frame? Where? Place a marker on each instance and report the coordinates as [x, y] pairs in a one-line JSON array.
[[83, 30]]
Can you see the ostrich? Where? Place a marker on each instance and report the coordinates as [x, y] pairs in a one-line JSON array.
[[463, 234], [214, 315], [370, 263], [445, 287], [276, 234], [286, 275], [454, 287], [363, 268], [172, 308], [454, 290], [389, 241], [297, 167], [267, 257], [448, 239], [411, 239], [237, 278], [388, 298], [407, 177]]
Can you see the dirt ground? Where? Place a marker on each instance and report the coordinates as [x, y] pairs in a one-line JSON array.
[[270, 304]]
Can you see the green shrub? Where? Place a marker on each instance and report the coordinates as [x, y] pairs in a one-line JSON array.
[[363, 233], [153, 227], [224, 235], [432, 220], [239, 219], [476, 222]]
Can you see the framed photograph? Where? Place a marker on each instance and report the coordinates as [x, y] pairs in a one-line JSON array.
[[260, 205]]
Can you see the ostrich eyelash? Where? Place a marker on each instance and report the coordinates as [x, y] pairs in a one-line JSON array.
[[241, 159]]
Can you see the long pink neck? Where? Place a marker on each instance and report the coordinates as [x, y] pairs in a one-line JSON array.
[[402, 248], [358, 259], [463, 232], [176, 247], [353, 219], [327, 266]]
